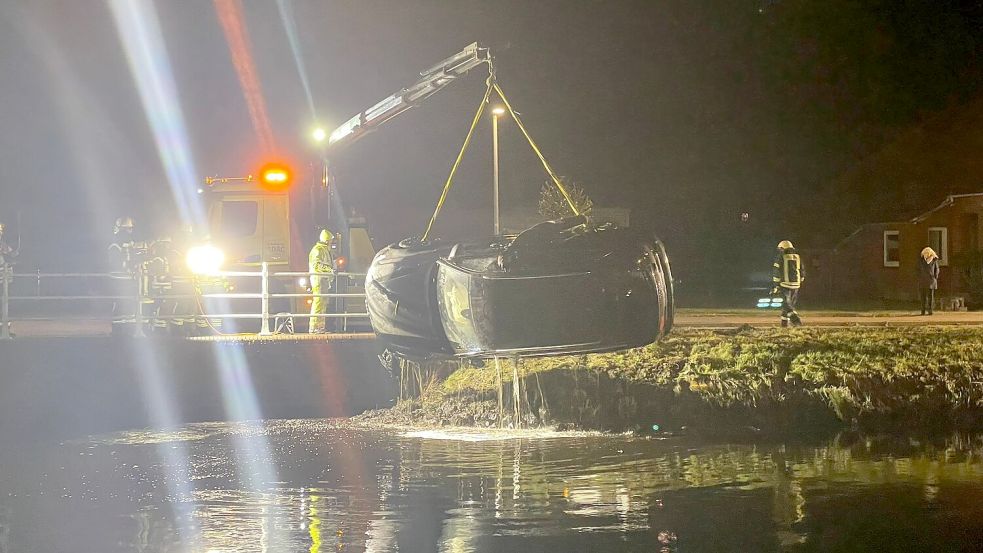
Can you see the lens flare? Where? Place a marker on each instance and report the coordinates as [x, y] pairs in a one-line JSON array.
[[234, 27], [95, 143], [290, 27], [158, 391], [140, 34], [254, 458]]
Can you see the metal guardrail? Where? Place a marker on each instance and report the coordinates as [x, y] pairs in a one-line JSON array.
[[143, 295]]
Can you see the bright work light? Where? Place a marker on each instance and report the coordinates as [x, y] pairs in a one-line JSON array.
[[205, 259]]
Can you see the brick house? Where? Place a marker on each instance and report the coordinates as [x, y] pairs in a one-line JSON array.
[[878, 260]]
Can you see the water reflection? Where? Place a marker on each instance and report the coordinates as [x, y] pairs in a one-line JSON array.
[[341, 488]]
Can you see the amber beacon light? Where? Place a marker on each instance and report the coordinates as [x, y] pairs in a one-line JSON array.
[[275, 176]]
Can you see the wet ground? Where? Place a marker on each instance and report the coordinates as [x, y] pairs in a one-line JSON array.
[[320, 486]]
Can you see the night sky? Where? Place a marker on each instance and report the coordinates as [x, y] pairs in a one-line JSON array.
[[689, 113]]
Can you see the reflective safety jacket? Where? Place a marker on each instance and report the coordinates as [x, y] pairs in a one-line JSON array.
[[123, 254], [320, 261], [6, 253], [787, 270]]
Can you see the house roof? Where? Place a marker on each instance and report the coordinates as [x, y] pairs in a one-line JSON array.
[[949, 200], [860, 229]]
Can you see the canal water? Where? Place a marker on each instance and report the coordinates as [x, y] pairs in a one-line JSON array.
[[329, 486]]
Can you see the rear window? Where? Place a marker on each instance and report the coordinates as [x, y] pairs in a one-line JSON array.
[[239, 219]]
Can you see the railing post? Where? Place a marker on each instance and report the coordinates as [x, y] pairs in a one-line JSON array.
[[142, 292], [343, 301], [265, 300], [5, 272]]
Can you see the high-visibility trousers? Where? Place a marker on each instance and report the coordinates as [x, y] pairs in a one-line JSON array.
[[319, 305]]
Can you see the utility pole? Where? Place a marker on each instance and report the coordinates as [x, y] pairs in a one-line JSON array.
[[496, 112]]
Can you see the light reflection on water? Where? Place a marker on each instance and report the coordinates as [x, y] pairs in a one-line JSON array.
[[342, 488]]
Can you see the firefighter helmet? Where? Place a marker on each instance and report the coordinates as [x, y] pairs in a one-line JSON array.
[[123, 223], [785, 245], [326, 236]]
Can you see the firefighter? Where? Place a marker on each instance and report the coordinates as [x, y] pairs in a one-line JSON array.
[[7, 255], [183, 308], [320, 260], [157, 284], [123, 248], [787, 277], [124, 255]]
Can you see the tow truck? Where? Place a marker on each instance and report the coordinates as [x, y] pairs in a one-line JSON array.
[[273, 217]]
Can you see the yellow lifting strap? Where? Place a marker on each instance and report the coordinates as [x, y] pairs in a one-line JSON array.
[[492, 85], [457, 162], [539, 154]]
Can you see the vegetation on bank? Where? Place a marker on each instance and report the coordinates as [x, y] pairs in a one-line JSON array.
[[924, 376]]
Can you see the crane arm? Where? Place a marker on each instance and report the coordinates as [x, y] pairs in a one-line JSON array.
[[430, 81]]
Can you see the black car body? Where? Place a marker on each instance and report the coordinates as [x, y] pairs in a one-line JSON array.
[[560, 287]]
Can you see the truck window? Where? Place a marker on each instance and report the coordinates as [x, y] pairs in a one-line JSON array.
[[239, 219]]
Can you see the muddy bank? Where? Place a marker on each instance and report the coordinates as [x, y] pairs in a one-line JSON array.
[[749, 380]]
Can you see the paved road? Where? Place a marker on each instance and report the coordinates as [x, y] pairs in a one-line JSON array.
[[708, 319], [685, 318]]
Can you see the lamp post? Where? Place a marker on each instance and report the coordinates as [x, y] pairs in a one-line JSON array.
[[496, 113]]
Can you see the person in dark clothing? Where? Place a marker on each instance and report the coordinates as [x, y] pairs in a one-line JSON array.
[[7, 255], [125, 259], [7, 252], [928, 279], [787, 277]]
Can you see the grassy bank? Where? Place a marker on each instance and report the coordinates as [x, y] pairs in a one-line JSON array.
[[769, 378]]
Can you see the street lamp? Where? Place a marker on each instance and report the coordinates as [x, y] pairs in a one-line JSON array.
[[319, 134], [496, 113]]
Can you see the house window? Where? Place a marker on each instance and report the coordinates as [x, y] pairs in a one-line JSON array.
[[892, 248], [938, 240]]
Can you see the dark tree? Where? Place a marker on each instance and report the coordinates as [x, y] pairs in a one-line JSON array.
[[553, 205]]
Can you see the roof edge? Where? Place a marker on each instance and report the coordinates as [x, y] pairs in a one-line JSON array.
[[862, 227], [948, 201]]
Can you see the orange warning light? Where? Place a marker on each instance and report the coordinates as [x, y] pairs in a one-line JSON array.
[[274, 176]]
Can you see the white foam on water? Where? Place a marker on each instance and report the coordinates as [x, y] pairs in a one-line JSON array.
[[494, 434]]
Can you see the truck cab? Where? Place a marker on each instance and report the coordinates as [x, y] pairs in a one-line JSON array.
[[253, 220], [250, 225]]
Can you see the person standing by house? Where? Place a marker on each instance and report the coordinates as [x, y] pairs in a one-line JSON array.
[[787, 276], [928, 279]]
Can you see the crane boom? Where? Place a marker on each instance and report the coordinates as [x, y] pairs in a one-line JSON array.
[[431, 80]]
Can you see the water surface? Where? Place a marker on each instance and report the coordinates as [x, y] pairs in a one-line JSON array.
[[325, 486]]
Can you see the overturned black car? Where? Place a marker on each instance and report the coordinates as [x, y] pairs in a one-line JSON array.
[[560, 287]]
